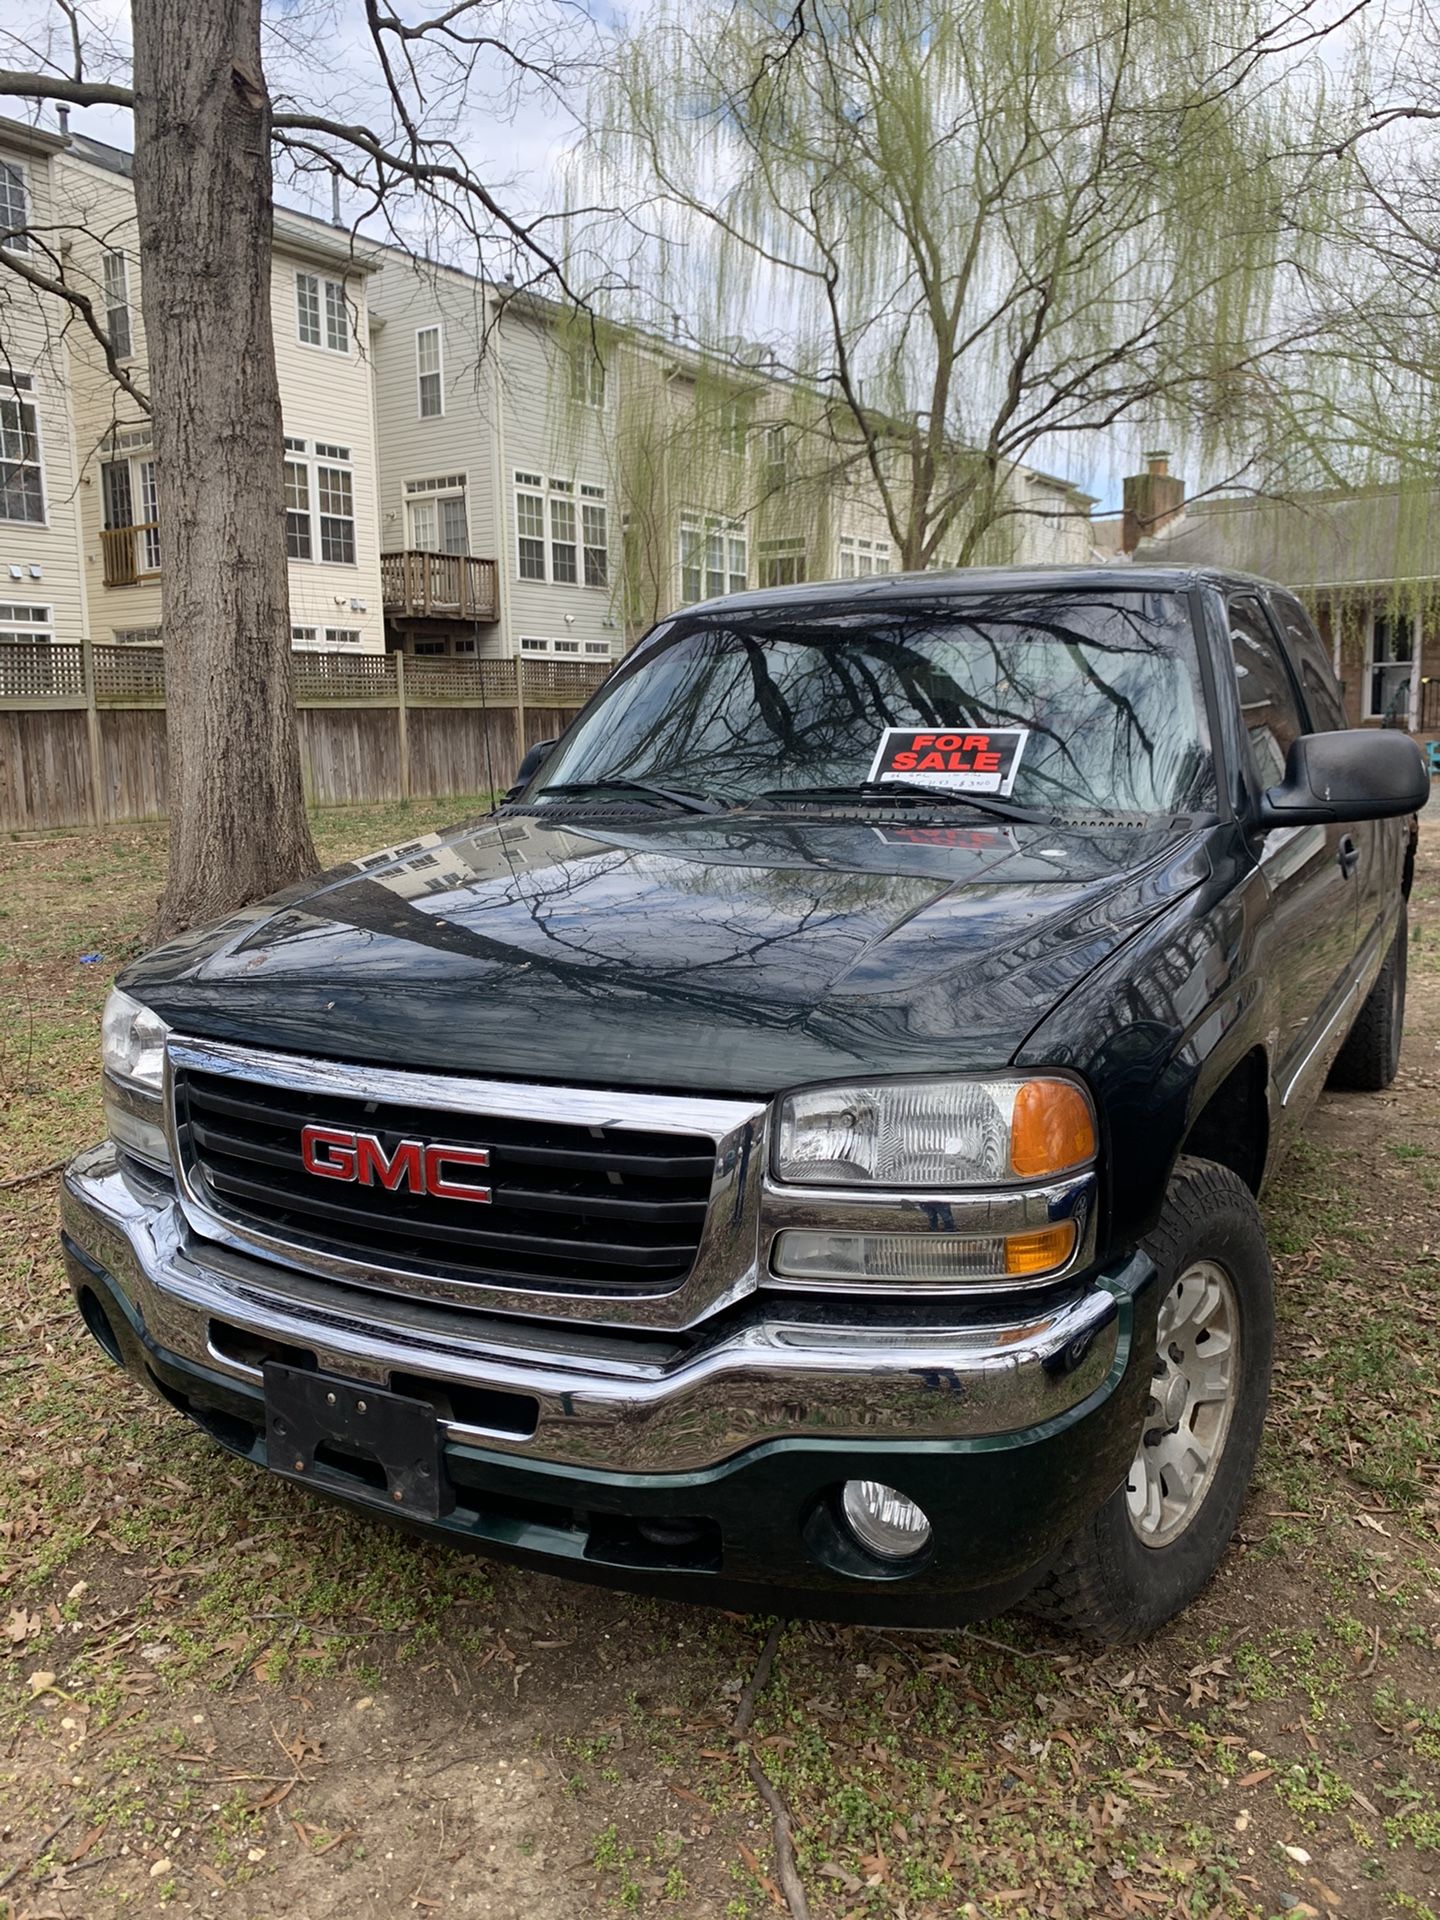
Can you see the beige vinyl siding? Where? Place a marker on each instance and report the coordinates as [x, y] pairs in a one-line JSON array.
[[100, 207], [325, 399], [405, 298], [325, 396], [48, 554], [544, 433]]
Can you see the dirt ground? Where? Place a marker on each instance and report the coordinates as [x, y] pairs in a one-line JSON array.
[[219, 1697]]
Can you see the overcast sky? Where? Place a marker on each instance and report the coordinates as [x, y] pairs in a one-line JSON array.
[[516, 132]]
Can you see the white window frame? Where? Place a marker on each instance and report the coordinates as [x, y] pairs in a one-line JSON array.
[[33, 630], [775, 553], [139, 463], [310, 456], [570, 648], [20, 387], [552, 497], [18, 240], [707, 526], [1412, 705], [593, 539], [117, 302], [561, 501], [860, 558], [344, 636], [589, 380], [435, 373], [533, 643], [337, 317], [431, 490], [296, 455], [304, 639], [734, 426], [531, 486], [326, 293]]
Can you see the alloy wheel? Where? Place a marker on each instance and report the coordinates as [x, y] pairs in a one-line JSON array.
[[1192, 1399]]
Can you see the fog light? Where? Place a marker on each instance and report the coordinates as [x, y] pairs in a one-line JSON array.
[[883, 1520]]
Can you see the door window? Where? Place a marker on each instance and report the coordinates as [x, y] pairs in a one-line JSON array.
[[1267, 695], [1317, 677]]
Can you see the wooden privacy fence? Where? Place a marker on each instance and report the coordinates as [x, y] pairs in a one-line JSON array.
[[82, 727]]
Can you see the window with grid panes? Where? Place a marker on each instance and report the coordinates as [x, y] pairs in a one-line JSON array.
[[335, 498], [530, 526], [562, 536]]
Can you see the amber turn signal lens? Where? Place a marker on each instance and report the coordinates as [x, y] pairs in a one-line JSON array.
[[1040, 1251], [1051, 1128]]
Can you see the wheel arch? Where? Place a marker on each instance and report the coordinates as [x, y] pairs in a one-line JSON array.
[[1231, 1124]]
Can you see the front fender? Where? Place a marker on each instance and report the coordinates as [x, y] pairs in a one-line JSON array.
[[1157, 1030]]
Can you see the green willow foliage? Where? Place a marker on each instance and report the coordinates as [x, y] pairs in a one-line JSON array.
[[979, 233]]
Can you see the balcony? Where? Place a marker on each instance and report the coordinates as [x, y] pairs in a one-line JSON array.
[[438, 586], [131, 554]]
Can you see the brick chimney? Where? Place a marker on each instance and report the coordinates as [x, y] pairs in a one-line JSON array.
[[1152, 500]]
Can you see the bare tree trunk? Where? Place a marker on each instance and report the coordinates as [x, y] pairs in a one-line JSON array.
[[203, 190]]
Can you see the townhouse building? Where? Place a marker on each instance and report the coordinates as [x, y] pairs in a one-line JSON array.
[[469, 471], [80, 540], [551, 487]]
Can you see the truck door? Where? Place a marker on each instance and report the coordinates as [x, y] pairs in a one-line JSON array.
[[1308, 942], [1379, 844]]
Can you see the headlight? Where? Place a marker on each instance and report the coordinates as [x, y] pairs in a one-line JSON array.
[[132, 1052], [935, 1134], [132, 1043]]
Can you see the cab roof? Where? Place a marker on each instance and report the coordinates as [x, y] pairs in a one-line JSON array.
[[895, 589]]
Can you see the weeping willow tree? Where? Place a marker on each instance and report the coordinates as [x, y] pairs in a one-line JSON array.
[[978, 235]]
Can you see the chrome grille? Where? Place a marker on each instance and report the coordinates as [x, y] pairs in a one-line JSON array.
[[586, 1208]]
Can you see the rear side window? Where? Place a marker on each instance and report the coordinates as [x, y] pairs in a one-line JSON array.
[[1267, 694], [1317, 677]]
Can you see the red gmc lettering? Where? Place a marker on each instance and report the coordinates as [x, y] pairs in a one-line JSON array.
[[404, 1168], [336, 1154], [438, 1158], [338, 1148]]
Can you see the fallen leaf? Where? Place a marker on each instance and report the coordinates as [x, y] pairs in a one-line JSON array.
[[1254, 1779]]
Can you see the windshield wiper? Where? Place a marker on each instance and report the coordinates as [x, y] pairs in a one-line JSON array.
[[900, 790], [690, 802]]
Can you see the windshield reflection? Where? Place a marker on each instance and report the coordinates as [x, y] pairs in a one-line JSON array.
[[1106, 686]]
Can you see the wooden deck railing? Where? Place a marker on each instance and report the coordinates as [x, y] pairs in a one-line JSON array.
[[130, 553], [439, 586]]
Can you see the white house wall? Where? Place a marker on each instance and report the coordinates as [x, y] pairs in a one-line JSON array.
[[325, 398], [406, 297], [40, 565], [544, 433]]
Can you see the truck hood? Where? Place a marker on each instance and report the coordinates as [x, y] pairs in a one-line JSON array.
[[739, 954]]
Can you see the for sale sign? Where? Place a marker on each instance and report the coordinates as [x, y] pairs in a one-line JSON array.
[[951, 759]]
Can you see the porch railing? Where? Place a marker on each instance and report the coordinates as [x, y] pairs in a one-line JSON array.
[[130, 553], [439, 586]]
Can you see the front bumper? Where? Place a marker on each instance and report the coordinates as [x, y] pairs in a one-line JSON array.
[[707, 1466]]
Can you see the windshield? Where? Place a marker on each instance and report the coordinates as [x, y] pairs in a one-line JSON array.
[[1104, 687]]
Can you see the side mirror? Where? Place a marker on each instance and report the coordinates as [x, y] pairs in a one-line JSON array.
[[1358, 774], [531, 762]]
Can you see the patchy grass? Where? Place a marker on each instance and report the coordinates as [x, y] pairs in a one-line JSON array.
[[218, 1695]]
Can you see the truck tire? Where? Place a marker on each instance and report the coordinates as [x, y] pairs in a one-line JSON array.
[[1370, 1057], [1161, 1535]]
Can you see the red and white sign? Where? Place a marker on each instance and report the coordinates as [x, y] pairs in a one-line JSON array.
[[334, 1153], [951, 759]]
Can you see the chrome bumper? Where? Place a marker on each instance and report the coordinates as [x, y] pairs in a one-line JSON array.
[[607, 1399]]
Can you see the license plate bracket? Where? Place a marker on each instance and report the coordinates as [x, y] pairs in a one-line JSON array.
[[316, 1425]]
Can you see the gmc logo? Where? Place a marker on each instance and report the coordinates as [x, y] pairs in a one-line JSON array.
[[334, 1153]]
